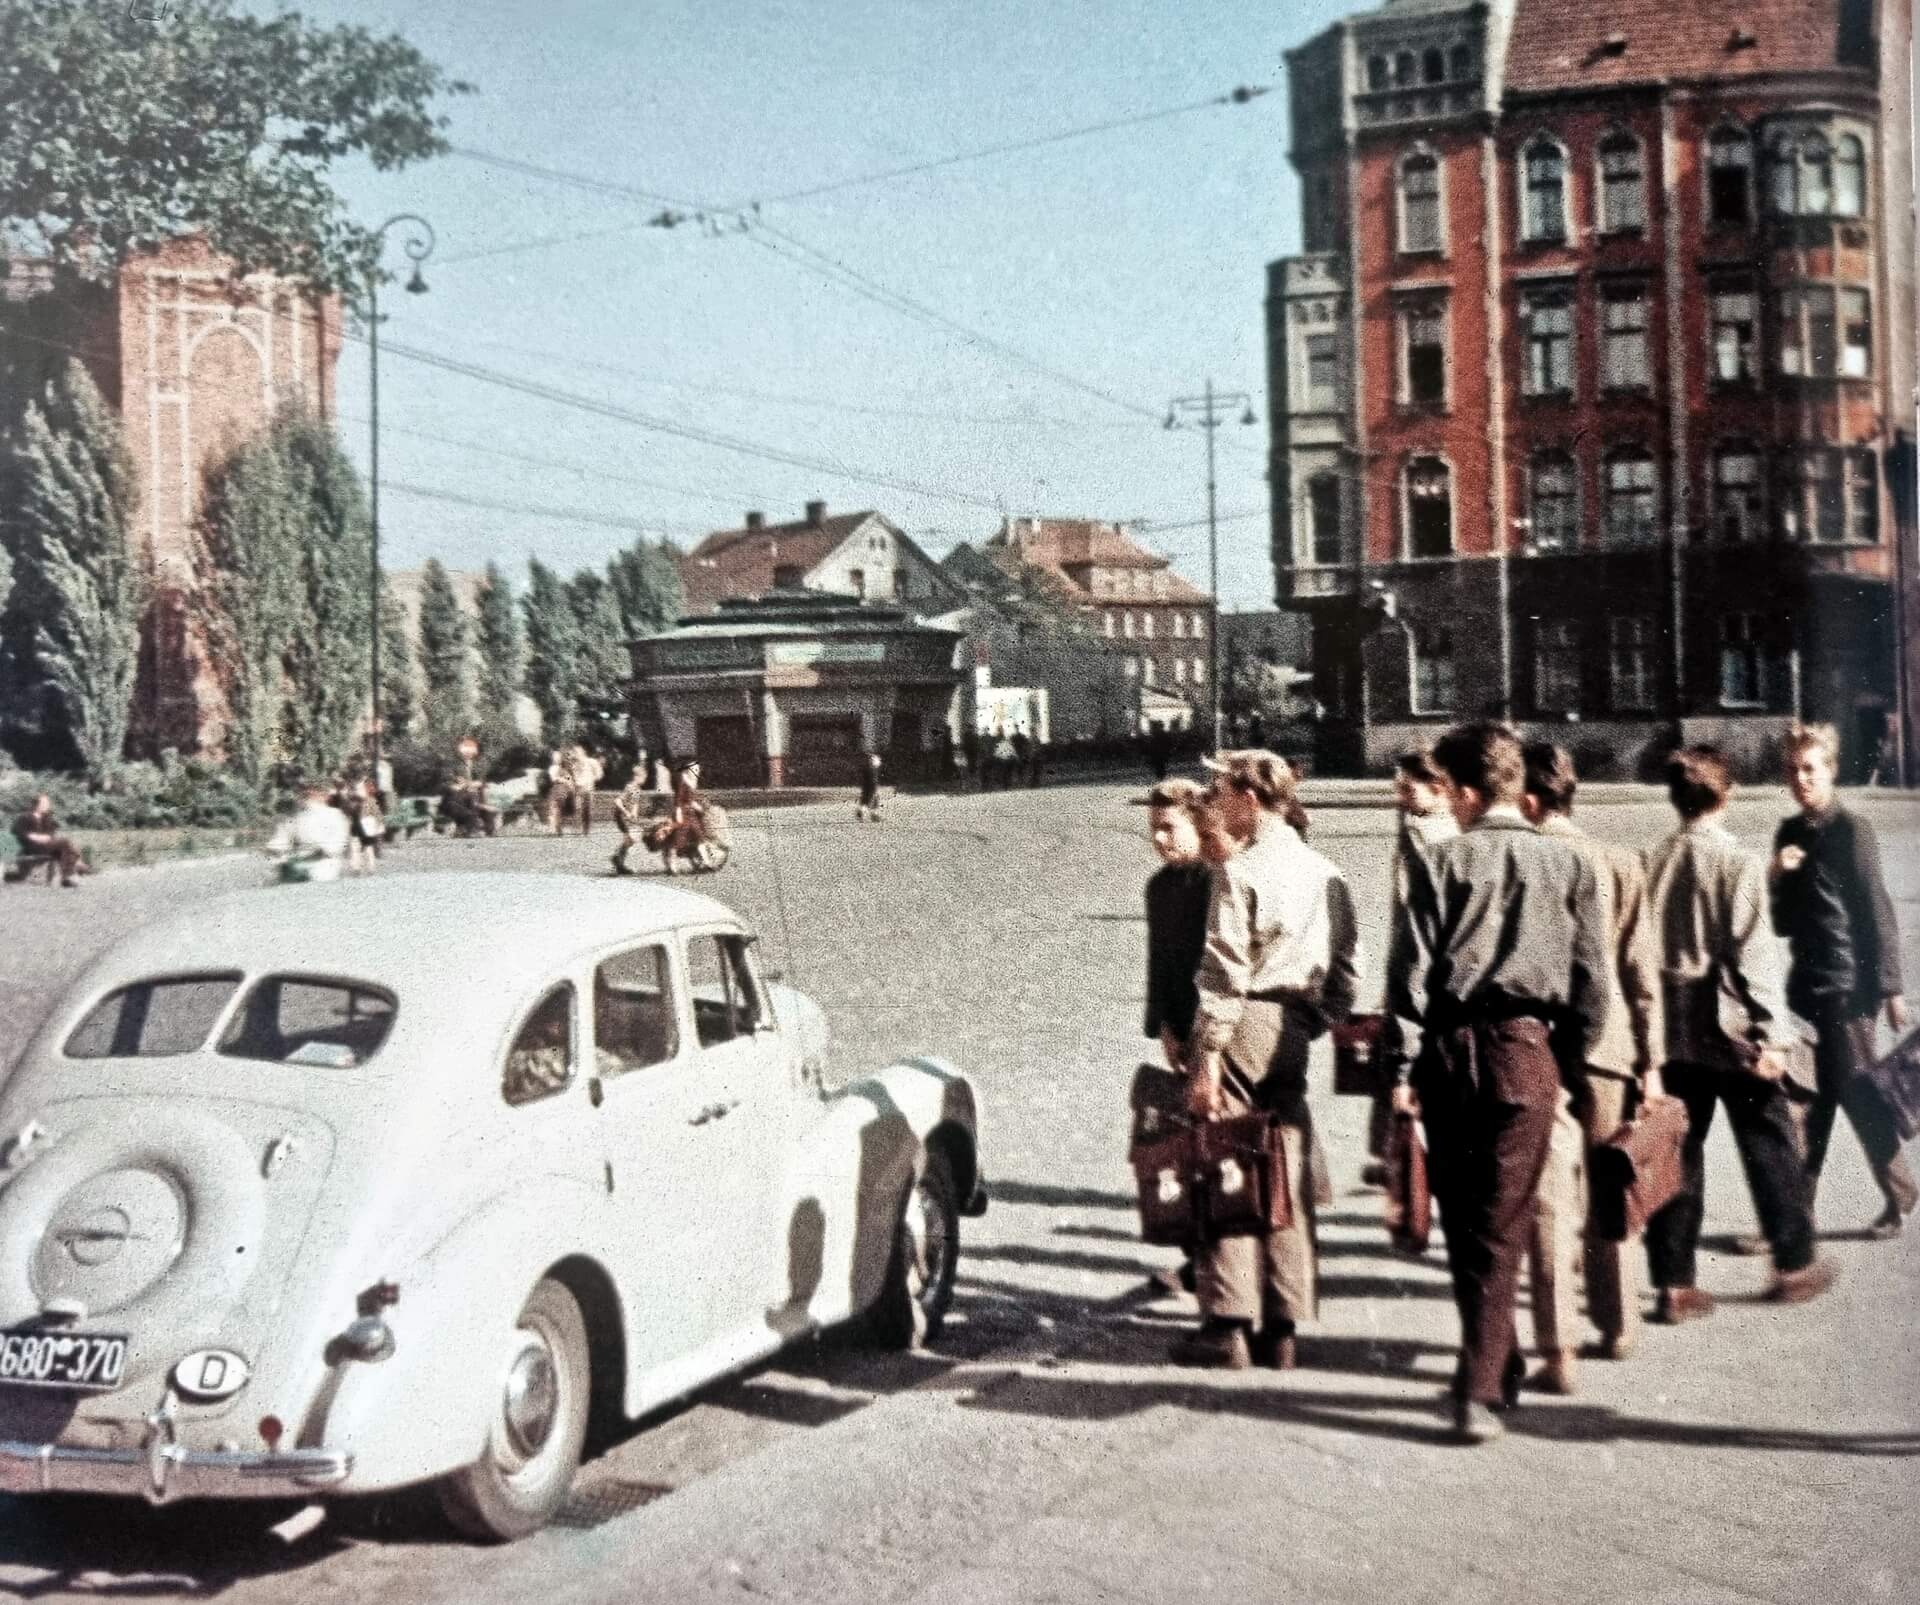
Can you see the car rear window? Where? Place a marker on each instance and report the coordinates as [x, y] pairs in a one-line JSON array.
[[153, 1019], [298, 1019]]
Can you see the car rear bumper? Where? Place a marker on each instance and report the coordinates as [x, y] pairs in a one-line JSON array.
[[164, 1471]]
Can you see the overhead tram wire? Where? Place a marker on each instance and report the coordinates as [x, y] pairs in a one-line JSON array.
[[566, 515]]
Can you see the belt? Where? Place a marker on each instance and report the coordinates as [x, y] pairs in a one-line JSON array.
[[1493, 1010]]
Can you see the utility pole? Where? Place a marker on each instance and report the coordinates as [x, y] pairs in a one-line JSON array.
[[1209, 411]]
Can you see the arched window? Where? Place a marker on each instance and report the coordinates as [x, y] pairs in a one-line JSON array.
[[1403, 68], [1729, 178], [1738, 493], [1379, 76], [1849, 177], [1783, 176], [1554, 501], [1421, 226], [1543, 213], [1460, 62], [1816, 176], [1433, 67], [1633, 498], [1623, 185], [1429, 508]]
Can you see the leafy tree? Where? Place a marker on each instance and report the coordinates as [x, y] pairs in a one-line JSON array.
[[327, 660], [128, 124], [444, 668], [603, 665], [397, 701], [251, 601], [83, 585], [646, 585], [498, 635], [1035, 602], [553, 650]]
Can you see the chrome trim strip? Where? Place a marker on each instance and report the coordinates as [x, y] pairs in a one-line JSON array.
[[160, 1472]]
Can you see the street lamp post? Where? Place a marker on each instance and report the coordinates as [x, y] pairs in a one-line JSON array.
[[418, 244], [1209, 410]]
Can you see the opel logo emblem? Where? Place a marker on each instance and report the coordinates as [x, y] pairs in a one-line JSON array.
[[98, 1236]]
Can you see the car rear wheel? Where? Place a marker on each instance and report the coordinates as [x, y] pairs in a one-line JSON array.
[[926, 1255], [537, 1426]]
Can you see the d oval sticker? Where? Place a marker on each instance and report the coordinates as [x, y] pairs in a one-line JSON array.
[[211, 1374]]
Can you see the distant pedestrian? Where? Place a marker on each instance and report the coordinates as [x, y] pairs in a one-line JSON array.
[[1730, 1041], [1501, 941], [630, 811], [312, 845], [868, 807], [1005, 758], [39, 835], [1829, 900]]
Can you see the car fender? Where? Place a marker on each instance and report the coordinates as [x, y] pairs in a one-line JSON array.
[[425, 1409]]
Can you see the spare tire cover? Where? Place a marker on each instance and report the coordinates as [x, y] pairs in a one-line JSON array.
[[153, 1227]]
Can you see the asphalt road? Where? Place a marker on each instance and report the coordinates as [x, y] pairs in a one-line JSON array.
[[1044, 1452]]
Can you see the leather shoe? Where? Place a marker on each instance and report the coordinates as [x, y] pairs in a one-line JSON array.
[[1476, 1423], [1677, 1305], [1887, 1224], [1215, 1346], [1560, 1374], [1809, 1282], [1609, 1346], [1276, 1351], [1373, 1174]]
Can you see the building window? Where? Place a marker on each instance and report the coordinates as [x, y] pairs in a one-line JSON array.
[[1633, 498], [1735, 313], [1830, 496], [1126, 625], [1547, 323], [1403, 68], [1323, 373], [1323, 514], [1749, 662], [857, 578], [1849, 177], [1433, 66], [1543, 212], [1826, 333], [1460, 62], [1146, 670], [1146, 626], [1429, 508], [1378, 75], [1809, 177], [1420, 215], [1630, 662], [1199, 671], [1623, 185], [1555, 502], [1109, 624], [1556, 666], [1856, 335], [1430, 662], [787, 577], [1738, 510], [1199, 625], [1179, 671], [1623, 354], [1133, 668], [1729, 178], [1179, 626], [1424, 338]]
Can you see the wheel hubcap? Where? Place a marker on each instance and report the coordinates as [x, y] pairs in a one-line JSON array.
[[532, 1399]]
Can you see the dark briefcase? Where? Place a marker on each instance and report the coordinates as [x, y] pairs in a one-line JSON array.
[[1158, 1099], [1637, 1171], [1409, 1210], [1896, 1078], [1236, 1156], [1359, 1044], [1163, 1172]]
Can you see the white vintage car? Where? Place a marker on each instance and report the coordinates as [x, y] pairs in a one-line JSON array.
[[343, 1188]]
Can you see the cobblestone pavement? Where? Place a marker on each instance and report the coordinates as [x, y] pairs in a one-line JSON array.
[[1045, 1452]]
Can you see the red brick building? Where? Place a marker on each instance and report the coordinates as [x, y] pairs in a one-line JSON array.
[[1588, 385], [193, 364]]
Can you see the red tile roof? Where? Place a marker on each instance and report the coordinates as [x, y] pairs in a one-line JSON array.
[[1555, 45], [1063, 544], [741, 562]]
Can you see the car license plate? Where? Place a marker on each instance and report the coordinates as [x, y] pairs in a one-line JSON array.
[[90, 1362]]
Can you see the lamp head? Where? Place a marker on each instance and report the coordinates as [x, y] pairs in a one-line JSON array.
[[416, 285]]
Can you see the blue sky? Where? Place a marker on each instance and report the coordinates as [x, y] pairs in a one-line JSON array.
[[1132, 261]]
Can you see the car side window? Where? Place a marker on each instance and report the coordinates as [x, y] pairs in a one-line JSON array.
[[634, 1023], [727, 1001], [540, 1062]]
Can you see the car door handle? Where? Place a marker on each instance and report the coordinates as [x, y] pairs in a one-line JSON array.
[[713, 1111]]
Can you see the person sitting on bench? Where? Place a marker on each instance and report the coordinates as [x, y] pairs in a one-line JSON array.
[[38, 834]]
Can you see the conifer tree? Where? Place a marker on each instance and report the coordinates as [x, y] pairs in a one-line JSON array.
[[82, 582], [553, 651], [602, 665], [445, 672], [498, 635], [646, 584], [398, 703]]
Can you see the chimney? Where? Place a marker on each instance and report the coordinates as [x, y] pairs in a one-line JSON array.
[[816, 514], [756, 519]]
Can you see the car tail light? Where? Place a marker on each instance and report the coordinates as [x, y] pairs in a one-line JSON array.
[[271, 1431]]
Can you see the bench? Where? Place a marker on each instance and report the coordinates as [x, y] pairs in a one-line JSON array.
[[21, 868], [411, 816]]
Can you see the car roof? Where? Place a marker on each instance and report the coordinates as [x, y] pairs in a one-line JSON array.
[[448, 933]]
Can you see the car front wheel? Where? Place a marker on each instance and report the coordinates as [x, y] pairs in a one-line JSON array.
[[536, 1429], [926, 1255]]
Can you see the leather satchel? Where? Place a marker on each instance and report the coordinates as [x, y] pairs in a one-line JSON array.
[[1359, 1049], [1637, 1171], [1409, 1211], [1896, 1078], [1158, 1099], [1163, 1175], [1235, 1158]]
